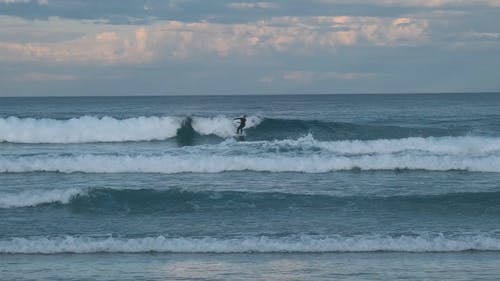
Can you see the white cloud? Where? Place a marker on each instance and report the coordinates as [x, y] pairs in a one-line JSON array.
[[484, 35], [440, 3], [14, 1], [40, 2], [314, 76], [41, 76], [290, 34], [108, 47], [253, 5], [106, 36], [418, 3]]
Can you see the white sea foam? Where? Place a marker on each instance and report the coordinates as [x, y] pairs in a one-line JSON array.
[[108, 129], [87, 129], [261, 244], [463, 145], [213, 163], [221, 126], [36, 197]]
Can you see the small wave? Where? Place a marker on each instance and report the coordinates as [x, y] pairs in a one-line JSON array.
[[260, 244], [34, 198], [180, 200], [191, 163], [465, 145]]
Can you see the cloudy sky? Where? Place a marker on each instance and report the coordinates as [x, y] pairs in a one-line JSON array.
[[150, 47]]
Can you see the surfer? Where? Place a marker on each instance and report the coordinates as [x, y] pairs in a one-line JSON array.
[[243, 121]]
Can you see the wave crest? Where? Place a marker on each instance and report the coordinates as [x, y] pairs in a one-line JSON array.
[[260, 244], [170, 164], [34, 198], [220, 126], [87, 129], [108, 129]]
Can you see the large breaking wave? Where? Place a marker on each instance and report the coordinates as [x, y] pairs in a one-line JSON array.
[[87, 129], [108, 129], [255, 244]]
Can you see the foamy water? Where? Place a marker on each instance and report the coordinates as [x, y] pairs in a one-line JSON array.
[[262, 244]]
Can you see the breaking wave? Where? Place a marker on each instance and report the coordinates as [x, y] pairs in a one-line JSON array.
[[37, 197], [474, 154], [260, 244], [87, 129], [178, 200], [108, 129]]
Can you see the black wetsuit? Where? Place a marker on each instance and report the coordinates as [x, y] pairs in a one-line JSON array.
[[243, 121]]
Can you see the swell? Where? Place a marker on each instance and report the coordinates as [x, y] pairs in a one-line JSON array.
[[271, 128], [178, 200], [431, 242], [186, 130], [37, 197]]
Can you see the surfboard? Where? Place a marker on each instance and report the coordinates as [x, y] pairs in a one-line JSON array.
[[239, 137]]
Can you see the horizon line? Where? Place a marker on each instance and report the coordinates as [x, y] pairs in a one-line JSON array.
[[257, 94]]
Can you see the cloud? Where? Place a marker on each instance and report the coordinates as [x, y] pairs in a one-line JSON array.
[[106, 36], [290, 34], [41, 76], [314, 76], [417, 3], [141, 37], [108, 44], [253, 5], [440, 3], [40, 2], [109, 47], [484, 35]]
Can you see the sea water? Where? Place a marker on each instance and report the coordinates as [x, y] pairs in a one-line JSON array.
[[322, 187]]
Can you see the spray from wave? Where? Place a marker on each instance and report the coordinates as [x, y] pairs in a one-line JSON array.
[[220, 126]]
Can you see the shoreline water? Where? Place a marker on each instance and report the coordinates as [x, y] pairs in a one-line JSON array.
[[343, 266]]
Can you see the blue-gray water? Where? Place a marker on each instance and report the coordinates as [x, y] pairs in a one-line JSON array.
[[347, 187]]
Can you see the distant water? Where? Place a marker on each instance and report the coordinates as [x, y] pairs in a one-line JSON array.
[[344, 187]]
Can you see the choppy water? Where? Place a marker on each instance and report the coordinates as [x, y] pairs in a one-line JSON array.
[[388, 182]]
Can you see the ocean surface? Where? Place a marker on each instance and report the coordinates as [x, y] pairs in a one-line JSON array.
[[321, 187]]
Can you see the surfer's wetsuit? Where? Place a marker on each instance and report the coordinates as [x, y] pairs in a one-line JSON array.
[[243, 121]]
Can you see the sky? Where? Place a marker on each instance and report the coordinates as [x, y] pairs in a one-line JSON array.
[[197, 47]]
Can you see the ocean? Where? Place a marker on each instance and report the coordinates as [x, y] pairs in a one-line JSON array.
[[321, 187]]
